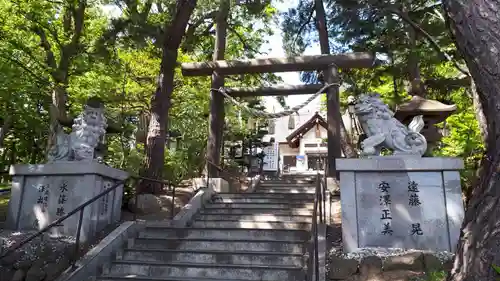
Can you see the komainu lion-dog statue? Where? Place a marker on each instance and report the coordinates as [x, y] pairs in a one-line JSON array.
[[383, 130], [81, 144]]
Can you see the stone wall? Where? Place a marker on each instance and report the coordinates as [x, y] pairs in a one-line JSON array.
[[406, 266]]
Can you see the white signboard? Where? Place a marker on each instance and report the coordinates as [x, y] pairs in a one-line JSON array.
[[271, 158]]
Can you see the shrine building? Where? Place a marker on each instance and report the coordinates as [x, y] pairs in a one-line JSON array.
[[301, 141]]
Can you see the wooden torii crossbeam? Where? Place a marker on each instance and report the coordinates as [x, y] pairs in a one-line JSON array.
[[329, 64], [271, 65]]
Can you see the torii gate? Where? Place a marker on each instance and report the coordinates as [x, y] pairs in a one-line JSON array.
[[327, 63]]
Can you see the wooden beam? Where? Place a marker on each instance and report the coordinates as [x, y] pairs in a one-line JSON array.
[[281, 90], [271, 65]]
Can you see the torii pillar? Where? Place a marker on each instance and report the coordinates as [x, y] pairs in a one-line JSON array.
[[215, 126], [333, 119]]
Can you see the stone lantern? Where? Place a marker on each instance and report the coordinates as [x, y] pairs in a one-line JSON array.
[[142, 127], [433, 111]]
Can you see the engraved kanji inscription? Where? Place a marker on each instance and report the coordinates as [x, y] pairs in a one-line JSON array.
[[416, 229], [387, 230]]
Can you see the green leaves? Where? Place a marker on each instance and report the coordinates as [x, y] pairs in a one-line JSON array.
[[117, 58], [497, 269]]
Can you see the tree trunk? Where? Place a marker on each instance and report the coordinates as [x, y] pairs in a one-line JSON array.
[[479, 112], [396, 97], [474, 24], [57, 111], [321, 25], [416, 84], [4, 130], [217, 113], [416, 87], [12, 154], [161, 100], [344, 141]]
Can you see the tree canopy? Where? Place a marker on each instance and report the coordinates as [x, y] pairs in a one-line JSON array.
[[71, 50]]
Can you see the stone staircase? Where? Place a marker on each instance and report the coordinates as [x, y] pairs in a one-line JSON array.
[[247, 236]]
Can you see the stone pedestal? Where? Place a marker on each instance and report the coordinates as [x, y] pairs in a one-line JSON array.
[[43, 193], [217, 184], [220, 185], [401, 202]]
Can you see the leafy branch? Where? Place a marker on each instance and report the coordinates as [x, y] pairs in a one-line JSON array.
[[42, 81], [303, 26], [404, 16], [243, 40], [497, 269]]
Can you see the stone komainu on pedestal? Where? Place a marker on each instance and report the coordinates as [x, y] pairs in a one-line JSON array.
[[383, 130], [43, 193], [86, 141]]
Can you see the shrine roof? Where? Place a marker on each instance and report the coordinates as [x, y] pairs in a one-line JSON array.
[[295, 136]]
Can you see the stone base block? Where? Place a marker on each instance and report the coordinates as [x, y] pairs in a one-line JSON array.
[[398, 202], [216, 184], [219, 185], [43, 193]]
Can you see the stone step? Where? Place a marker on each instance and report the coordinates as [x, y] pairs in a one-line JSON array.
[[253, 224], [193, 270], [213, 257], [286, 184], [262, 200], [274, 245], [257, 218], [287, 191], [225, 233], [295, 176], [258, 211], [291, 178], [303, 178], [286, 187], [246, 205], [262, 195], [111, 277], [289, 184]]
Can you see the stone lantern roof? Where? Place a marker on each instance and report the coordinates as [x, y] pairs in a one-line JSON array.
[[433, 111]]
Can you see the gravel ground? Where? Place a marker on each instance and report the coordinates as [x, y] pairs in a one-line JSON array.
[[443, 256], [9, 238]]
